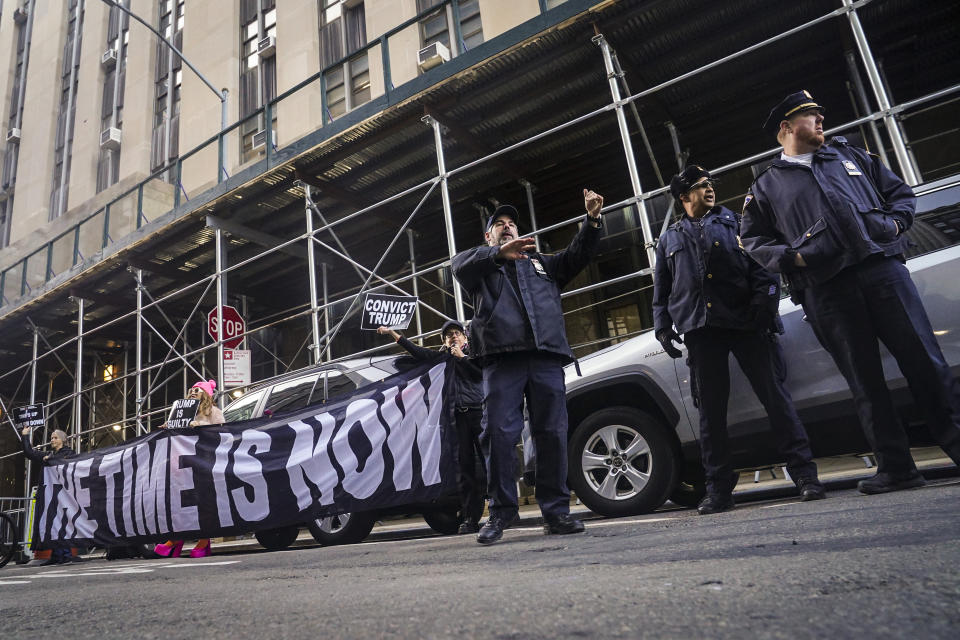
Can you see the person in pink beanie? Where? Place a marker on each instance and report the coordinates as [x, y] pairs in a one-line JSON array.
[[208, 413]]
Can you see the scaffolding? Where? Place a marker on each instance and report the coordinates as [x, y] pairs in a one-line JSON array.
[[105, 406]]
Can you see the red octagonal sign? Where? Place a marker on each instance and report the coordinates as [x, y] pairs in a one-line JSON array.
[[233, 326]]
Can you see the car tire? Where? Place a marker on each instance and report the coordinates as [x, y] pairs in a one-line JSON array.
[[344, 528], [689, 491], [277, 539], [442, 521], [621, 462]]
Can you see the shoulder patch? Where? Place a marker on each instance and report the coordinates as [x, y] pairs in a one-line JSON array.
[[740, 243], [746, 201]]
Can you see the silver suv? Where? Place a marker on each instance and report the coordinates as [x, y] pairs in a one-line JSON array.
[[634, 427], [295, 391]]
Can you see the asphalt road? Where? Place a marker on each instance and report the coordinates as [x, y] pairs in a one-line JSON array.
[[851, 566]]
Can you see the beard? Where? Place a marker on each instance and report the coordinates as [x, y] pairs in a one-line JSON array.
[[811, 138]]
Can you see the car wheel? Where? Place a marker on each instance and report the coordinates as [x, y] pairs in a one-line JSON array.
[[689, 491], [442, 521], [277, 539], [343, 528], [621, 462]]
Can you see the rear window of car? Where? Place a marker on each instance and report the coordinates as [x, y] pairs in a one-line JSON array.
[[936, 224], [291, 395]]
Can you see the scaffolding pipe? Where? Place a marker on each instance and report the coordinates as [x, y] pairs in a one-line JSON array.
[[447, 211], [138, 357], [528, 188], [415, 281], [312, 277], [873, 75], [861, 96], [78, 377], [627, 148], [622, 77], [326, 309], [220, 291]]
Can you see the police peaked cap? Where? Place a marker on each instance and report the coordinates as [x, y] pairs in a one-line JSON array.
[[793, 103], [503, 210], [681, 183]]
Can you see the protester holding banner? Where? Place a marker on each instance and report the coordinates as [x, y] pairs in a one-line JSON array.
[[468, 385], [59, 451], [518, 333], [207, 413]]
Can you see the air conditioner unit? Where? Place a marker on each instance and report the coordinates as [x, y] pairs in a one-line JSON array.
[[260, 137], [267, 48], [110, 138], [13, 135], [432, 55], [20, 15], [109, 59]]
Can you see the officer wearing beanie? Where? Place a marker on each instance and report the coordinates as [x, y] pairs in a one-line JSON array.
[[518, 333], [468, 401], [722, 301], [830, 217]]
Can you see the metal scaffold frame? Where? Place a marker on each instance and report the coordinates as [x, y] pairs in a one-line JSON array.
[[147, 374]]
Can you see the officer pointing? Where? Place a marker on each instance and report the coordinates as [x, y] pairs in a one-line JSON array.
[[518, 333], [830, 218], [723, 302]]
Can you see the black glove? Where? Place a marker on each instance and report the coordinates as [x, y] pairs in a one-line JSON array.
[[764, 319], [666, 338]]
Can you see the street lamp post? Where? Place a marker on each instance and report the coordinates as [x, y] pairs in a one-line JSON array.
[[221, 94]]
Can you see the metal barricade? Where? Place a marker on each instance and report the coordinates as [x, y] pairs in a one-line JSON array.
[[20, 511]]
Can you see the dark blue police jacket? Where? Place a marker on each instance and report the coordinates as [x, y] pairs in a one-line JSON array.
[[708, 279], [835, 213], [498, 324]]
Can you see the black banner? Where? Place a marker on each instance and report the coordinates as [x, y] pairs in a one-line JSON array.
[[382, 310], [390, 443]]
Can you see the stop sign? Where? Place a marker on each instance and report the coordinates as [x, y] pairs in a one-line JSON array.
[[232, 326]]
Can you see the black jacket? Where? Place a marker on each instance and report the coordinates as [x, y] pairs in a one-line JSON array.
[[499, 322], [843, 208], [468, 383], [704, 277], [56, 457]]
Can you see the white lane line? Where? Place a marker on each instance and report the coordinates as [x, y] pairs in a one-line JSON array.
[[3, 582], [780, 504], [190, 565]]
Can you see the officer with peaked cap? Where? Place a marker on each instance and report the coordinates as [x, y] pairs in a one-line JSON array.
[[518, 332], [723, 302], [830, 217]]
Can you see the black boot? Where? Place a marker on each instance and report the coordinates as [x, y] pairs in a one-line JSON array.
[[811, 489], [468, 526], [715, 503], [884, 482], [492, 530], [561, 525]]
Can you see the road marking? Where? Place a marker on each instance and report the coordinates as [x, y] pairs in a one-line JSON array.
[[140, 567], [781, 504], [3, 582]]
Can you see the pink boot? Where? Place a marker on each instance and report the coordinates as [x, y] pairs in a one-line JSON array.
[[169, 551], [199, 552]]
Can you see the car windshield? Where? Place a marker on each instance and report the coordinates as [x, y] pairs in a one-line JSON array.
[[242, 408]]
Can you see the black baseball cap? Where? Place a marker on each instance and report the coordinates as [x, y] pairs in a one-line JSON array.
[[681, 183], [794, 103], [503, 210], [451, 324]]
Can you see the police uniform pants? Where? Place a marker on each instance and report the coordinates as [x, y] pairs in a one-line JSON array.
[[471, 481], [761, 359], [872, 302], [507, 379]]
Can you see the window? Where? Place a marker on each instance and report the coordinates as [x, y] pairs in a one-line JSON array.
[[168, 77], [293, 395], [438, 26], [331, 385], [63, 143], [343, 32], [114, 79], [258, 75], [243, 408], [8, 169]]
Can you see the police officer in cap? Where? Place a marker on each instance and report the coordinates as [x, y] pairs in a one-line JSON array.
[[518, 332], [468, 401], [722, 301], [830, 217]]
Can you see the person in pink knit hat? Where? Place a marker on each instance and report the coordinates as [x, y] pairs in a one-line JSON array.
[[207, 413]]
